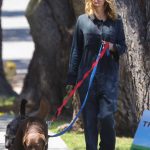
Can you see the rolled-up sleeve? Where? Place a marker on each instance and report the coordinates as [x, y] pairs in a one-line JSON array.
[[75, 55], [120, 45]]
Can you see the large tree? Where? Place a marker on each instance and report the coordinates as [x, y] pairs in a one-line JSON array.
[[51, 25], [5, 88], [135, 65]]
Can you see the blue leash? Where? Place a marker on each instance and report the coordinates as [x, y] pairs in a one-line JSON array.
[[84, 102]]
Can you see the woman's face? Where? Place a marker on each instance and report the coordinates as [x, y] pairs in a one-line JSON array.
[[98, 3]]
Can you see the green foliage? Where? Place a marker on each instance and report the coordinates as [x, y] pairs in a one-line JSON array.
[[7, 102], [10, 69]]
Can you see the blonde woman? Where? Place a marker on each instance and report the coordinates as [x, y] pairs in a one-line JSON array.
[[100, 23]]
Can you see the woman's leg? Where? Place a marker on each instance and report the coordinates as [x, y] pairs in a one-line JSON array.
[[90, 120], [107, 133]]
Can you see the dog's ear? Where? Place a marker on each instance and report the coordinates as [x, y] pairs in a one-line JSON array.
[[23, 107], [44, 140], [43, 110]]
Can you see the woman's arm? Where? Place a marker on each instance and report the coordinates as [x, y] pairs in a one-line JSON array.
[[120, 46], [76, 54]]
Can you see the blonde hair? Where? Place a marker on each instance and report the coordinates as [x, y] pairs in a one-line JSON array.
[[110, 8]]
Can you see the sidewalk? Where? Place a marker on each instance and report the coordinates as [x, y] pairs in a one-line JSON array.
[[19, 47]]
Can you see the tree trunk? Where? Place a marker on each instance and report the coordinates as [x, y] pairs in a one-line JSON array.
[[5, 88], [134, 69], [51, 31], [51, 24]]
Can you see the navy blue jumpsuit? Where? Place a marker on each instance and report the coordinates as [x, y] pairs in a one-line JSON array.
[[102, 100]]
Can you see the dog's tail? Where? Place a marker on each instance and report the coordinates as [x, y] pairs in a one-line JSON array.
[[23, 107], [43, 110]]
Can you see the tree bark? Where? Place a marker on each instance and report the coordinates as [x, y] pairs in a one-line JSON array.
[[134, 69], [51, 27], [5, 88], [51, 31]]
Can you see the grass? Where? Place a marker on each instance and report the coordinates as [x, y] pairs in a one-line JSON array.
[[75, 141], [7, 102], [123, 143], [6, 105]]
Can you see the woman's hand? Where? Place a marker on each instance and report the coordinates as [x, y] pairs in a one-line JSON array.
[[69, 88], [111, 46]]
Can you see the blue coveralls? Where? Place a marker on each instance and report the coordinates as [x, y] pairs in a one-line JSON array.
[[102, 99]]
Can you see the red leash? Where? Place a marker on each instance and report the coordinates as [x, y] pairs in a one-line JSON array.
[[65, 101]]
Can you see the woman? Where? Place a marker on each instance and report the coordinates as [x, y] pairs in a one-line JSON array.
[[100, 23]]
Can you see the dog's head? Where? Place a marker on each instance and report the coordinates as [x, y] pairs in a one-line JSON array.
[[13, 126], [35, 135], [35, 141]]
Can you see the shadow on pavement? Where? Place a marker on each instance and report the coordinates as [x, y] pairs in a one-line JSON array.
[[12, 13], [16, 35]]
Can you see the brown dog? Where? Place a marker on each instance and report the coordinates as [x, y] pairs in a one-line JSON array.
[[36, 135], [33, 132]]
